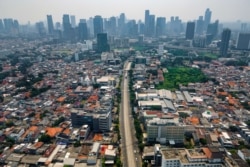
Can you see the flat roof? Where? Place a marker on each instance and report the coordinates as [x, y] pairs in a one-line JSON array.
[[30, 159], [149, 103]]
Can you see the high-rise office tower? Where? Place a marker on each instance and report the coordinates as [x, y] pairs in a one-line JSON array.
[[82, 31], [102, 42], [207, 18], [132, 28], [151, 27], [110, 26], [58, 26], [83, 21], [113, 26], [98, 25], [8, 25], [141, 27], [175, 26], [243, 27], [50, 24], [160, 26], [90, 24], [67, 29], [190, 30], [73, 21], [121, 24], [212, 31], [1, 25], [199, 26], [40, 28], [243, 41], [15, 27], [146, 21], [225, 38]]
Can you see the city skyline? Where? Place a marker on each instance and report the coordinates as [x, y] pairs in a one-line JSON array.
[[34, 11]]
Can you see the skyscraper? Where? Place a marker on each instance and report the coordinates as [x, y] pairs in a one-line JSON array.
[[199, 25], [121, 24], [102, 42], [207, 18], [110, 26], [160, 26], [82, 31], [90, 24], [73, 21], [243, 41], [113, 26], [83, 21], [15, 27], [132, 28], [141, 27], [146, 21], [212, 31], [50, 24], [190, 30], [40, 28], [243, 27], [151, 27], [175, 26], [8, 25], [225, 37], [98, 25], [67, 29], [58, 26], [1, 25]]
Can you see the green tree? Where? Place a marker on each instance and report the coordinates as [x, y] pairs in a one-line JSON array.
[[58, 121], [203, 141], [118, 162], [10, 141], [9, 123], [45, 138], [1, 98], [183, 115], [77, 143], [141, 147], [233, 128]]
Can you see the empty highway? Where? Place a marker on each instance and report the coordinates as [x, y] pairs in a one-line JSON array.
[[129, 158]]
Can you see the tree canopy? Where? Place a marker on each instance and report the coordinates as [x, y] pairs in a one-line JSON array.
[[181, 75]]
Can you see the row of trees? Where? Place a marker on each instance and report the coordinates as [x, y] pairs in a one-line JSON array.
[[137, 124]]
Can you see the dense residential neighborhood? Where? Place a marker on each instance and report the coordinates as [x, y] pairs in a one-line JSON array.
[[114, 92], [57, 111]]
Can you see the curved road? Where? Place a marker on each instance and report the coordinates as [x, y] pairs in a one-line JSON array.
[[127, 132]]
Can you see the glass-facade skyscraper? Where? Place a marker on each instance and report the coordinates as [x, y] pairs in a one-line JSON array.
[[160, 26], [207, 18], [50, 24], [102, 42], [225, 38], [66, 27], [98, 25], [190, 30]]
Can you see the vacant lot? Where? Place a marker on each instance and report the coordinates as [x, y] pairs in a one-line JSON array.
[[181, 75]]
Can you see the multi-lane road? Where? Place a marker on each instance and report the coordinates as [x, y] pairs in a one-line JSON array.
[[127, 129]]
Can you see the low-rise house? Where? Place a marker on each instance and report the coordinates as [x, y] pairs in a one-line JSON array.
[[110, 153], [17, 133]]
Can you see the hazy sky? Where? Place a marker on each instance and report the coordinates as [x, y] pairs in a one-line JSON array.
[[36, 10]]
